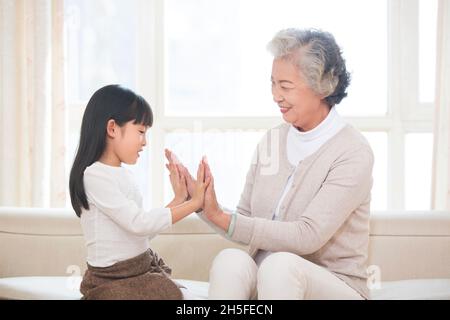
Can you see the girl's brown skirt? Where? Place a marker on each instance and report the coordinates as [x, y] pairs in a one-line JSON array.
[[144, 277]]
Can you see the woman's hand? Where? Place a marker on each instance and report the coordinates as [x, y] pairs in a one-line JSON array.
[[211, 207], [201, 185], [178, 182]]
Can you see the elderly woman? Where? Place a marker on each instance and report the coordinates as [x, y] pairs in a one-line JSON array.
[[304, 210]]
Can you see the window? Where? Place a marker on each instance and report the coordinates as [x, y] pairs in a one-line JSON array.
[[99, 50], [379, 143], [204, 68], [418, 151], [427, 49], [218, 63]]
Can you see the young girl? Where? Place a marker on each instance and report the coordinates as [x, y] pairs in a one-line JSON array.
[[120, 264]]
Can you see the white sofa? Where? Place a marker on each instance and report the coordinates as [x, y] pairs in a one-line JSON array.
[[42, 254]]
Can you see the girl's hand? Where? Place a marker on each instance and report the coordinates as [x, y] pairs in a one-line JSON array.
[[190, 181], [178, 183], [200, 186]]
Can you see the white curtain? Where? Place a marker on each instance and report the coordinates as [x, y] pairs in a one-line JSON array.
[[441, 160], [32, 108]]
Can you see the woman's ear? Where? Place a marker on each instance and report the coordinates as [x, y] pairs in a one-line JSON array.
[[111, 128]]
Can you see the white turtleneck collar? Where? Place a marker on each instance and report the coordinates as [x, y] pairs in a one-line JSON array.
[[302, 144]]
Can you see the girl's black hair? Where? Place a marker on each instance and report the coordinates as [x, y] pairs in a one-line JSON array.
[[111, 102]]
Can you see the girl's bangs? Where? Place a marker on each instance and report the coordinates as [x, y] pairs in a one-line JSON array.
[[141, 112]]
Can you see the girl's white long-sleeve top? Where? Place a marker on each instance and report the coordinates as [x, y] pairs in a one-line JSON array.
[[116, 227]]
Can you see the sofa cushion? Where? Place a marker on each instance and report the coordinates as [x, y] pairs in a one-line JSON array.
[[417, 289], [66, 288], [40, 288], [199, 289]]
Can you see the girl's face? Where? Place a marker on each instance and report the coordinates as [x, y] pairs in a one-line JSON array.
[[298, 103], [129, 141]]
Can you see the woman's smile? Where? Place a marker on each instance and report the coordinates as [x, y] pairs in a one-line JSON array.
[[284, 109]]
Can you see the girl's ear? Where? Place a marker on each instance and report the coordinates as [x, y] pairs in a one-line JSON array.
[[111, 128]]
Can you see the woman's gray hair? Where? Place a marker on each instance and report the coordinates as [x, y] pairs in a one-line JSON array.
[[318, 58]]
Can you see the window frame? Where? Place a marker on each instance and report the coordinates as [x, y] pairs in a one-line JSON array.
[[405, 114]]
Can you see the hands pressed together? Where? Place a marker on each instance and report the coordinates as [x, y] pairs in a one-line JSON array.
[[200, 192]]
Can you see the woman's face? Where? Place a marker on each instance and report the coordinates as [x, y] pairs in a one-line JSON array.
[[298, 103]]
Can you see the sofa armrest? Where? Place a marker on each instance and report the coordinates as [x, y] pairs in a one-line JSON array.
[[410, 244], [407, 223]]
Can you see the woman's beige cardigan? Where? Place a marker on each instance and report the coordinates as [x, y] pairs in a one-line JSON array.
[[325, 215]]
